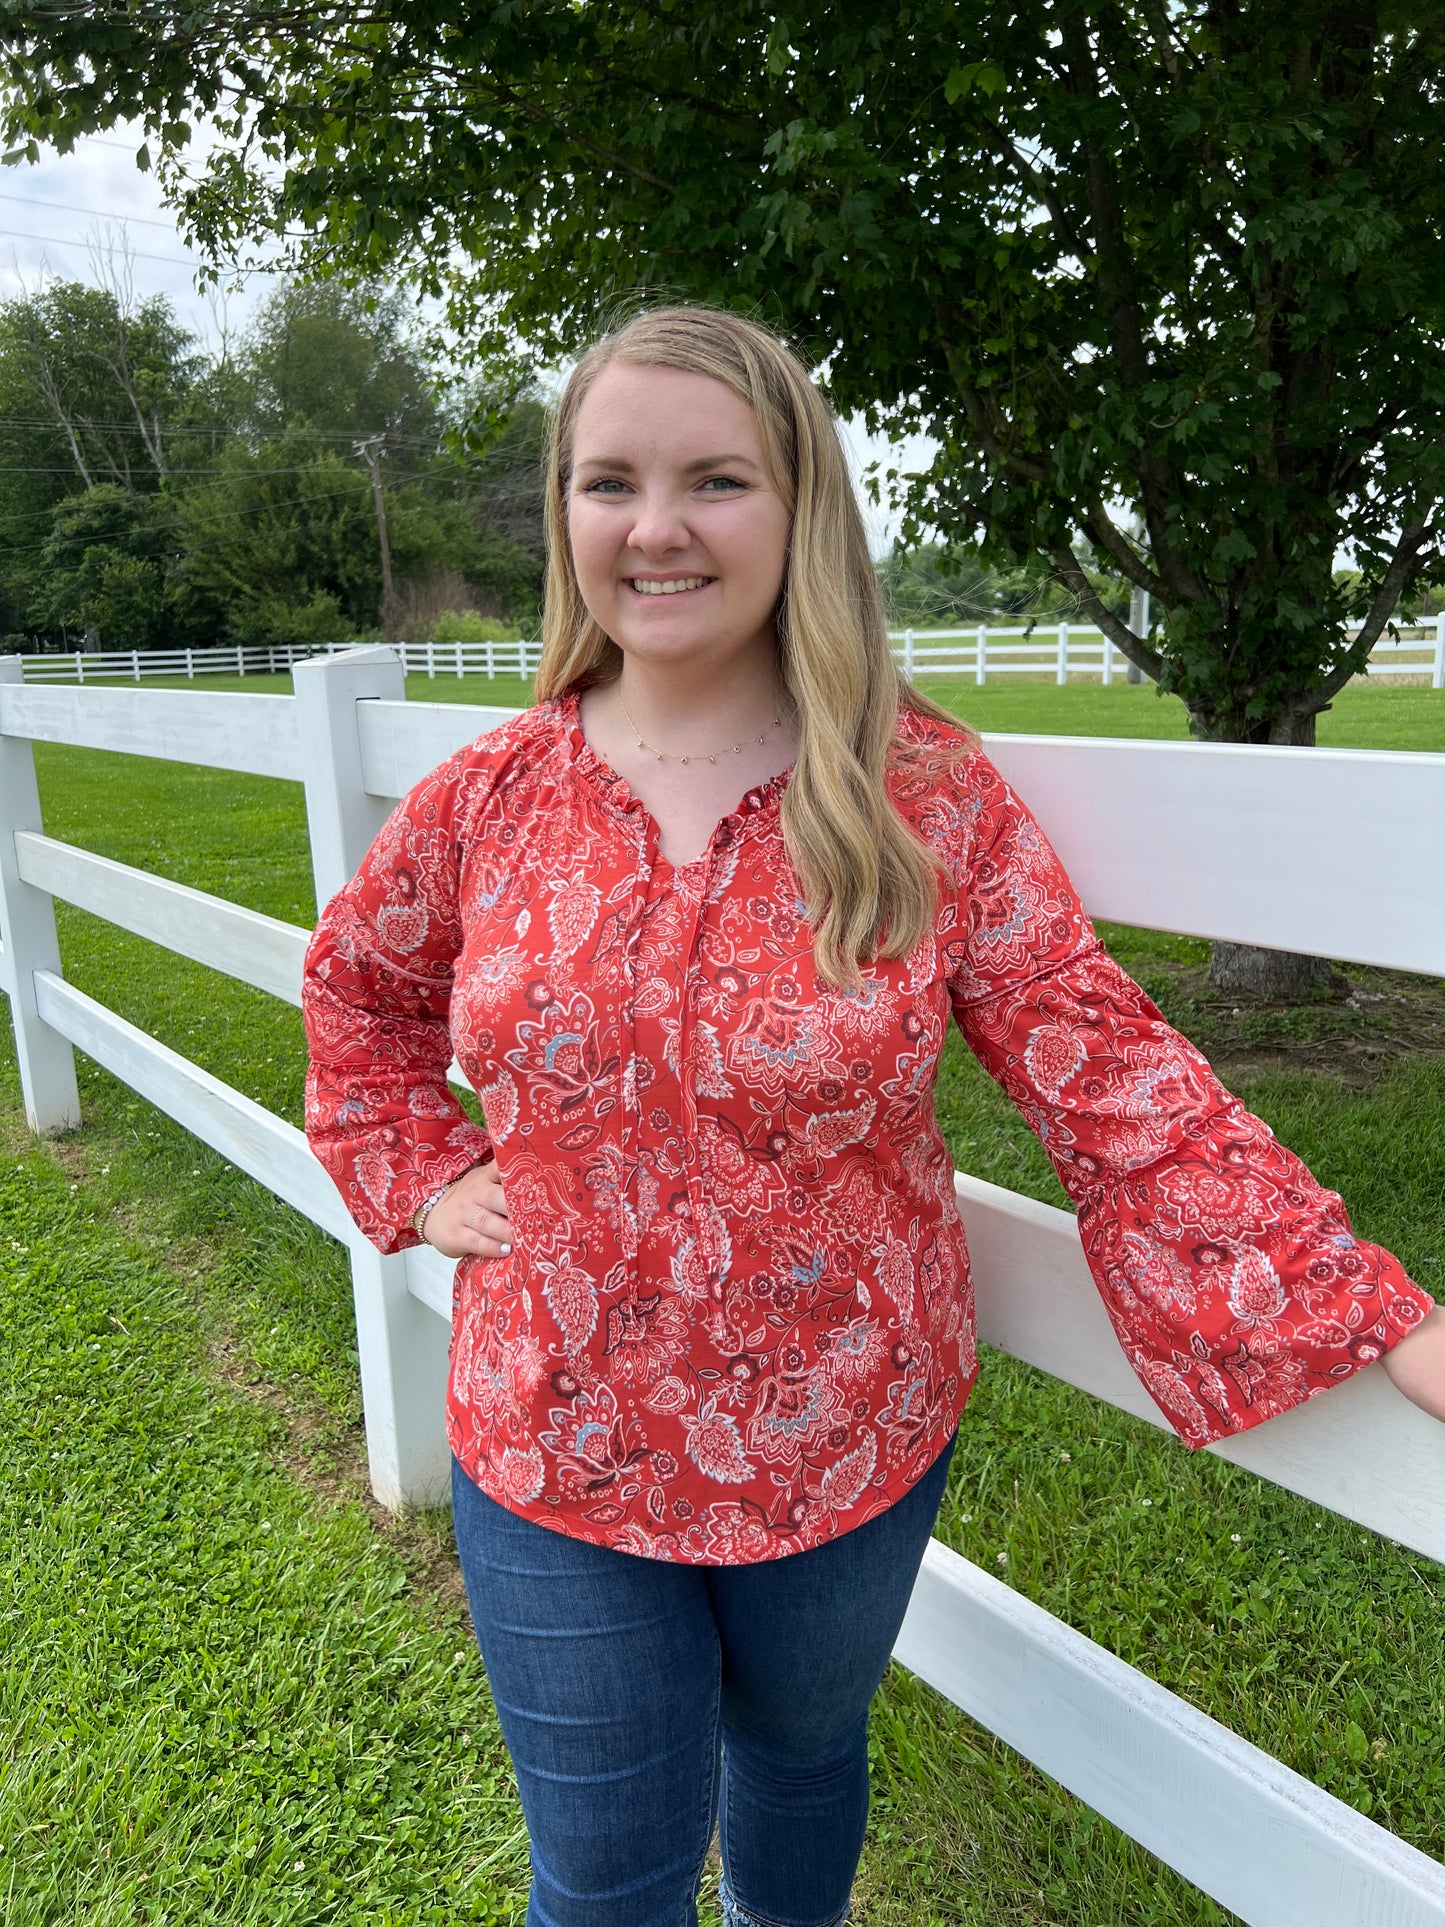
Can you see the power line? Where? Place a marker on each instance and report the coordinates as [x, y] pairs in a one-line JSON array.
[[135, 254], [399, 476], [230, 434], [71, 207], [69, 468], [228, 515]]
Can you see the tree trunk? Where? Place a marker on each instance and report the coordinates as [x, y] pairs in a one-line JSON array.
[[1247, 970]]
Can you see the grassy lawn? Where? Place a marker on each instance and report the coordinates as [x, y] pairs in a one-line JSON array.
[[236, 1693]]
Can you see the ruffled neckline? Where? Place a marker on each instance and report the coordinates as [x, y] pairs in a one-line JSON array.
[[762, 800]]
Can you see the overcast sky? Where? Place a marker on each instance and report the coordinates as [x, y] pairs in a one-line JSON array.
[[54, 217]]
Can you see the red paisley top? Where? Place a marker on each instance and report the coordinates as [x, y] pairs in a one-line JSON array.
[[736, 1318]]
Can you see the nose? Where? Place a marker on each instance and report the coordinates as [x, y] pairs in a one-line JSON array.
[[658, 524]]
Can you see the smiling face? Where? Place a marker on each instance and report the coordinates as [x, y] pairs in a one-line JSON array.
[[678, 537]]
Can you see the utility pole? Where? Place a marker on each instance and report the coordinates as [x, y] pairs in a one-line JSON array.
[[1139, 623], [371, 451], [1138, 607]]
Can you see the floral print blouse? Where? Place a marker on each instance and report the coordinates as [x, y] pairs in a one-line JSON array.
[[736, 1318]]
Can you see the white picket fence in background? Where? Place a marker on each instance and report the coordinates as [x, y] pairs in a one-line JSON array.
[[1317, 850], [1063, 650], [1059, 650], [135, 665]]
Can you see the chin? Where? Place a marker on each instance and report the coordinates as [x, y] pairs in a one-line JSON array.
[[677, 646]]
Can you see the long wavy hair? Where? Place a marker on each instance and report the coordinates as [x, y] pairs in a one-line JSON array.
[[869, 883]]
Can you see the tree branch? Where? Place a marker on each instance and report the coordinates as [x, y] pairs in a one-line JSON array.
[[1397, 575], [46, 383], [984, 422], [1103, 532], [1031, 176], [1119, 633]]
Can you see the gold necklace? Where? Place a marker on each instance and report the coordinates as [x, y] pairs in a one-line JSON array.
[[667, 756]]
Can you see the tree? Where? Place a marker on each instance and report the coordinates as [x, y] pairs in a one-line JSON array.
[[283, 539], [97, 393], [104, 567], [102, 382], [930, 584], [1175, 267], [342, 360], [154, 494]]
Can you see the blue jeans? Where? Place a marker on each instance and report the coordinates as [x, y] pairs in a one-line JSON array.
[[641, 1701]]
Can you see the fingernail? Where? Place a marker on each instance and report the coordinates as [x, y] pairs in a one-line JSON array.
[[504, 1249]]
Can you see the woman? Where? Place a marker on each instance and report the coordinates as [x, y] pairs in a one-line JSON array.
[[694, 927]]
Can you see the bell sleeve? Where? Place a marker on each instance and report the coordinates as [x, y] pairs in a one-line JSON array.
[[376, 991], [1231, 1276]]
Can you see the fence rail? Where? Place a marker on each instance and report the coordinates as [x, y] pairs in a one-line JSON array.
[[1204, 857], [1062, 650]]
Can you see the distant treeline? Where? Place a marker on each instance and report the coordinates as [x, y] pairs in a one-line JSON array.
[[155, 493]]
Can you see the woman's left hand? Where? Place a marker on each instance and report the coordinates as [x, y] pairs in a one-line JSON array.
[[1417, 1364]]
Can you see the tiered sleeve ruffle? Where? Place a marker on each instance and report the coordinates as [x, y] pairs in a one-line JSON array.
[[1231, 1276], [376, 990]]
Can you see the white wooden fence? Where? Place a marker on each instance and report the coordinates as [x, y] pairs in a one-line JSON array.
[[1064, 650], [1290, 848], [1061, 650], [133, 665]]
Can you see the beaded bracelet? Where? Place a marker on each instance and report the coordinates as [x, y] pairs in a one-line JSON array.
[[419, 1216]]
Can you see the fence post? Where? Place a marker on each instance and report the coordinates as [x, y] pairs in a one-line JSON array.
[[402, 1344], [191, 664], [431, 661], [1061, 674], [27, 916], [980, 656], [135, 665], [79, 668], [1437, 680], [1108, 662], [491, 660], [908, 654]]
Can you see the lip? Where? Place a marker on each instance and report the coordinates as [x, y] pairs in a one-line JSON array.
[[683, 575], [669, 596]]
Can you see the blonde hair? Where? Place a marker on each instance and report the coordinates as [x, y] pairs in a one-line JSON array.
[[869, 883]]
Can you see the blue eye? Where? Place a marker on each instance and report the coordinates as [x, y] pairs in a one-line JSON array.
[[608, 482], [727, 481]]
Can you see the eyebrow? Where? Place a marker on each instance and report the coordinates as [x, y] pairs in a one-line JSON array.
[[625, 467]]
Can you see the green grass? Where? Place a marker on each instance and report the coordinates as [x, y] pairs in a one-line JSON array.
[[218, 1702], [220, 1663]]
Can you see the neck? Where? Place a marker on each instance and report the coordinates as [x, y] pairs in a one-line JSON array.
[[680, 704]]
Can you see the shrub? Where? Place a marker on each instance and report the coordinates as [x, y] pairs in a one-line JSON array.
[[466, 625]]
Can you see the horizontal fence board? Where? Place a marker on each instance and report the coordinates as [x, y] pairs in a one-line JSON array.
[[259, 950], [1262, 1840], [1362, 1448], [218, 730], [403, 742], [1321, 850], [1318, 850], [429, 1277], [261, 1144]]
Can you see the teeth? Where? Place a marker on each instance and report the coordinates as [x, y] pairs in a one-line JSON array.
[[669, 588]]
